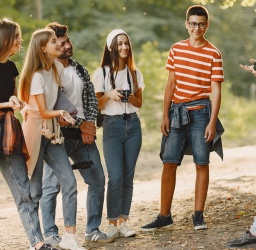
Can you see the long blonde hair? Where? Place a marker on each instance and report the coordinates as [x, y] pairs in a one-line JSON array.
[[7, 36], [36, 60]]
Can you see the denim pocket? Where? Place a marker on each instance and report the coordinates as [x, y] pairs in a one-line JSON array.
[[108, 120], [204, 110], [135, 118]]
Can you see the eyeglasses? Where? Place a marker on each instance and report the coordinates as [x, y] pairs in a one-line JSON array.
[[194, 24]]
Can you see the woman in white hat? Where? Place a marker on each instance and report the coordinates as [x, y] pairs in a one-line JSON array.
[[118, 86]]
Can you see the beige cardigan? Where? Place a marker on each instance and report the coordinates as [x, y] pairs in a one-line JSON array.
[[32, 126]]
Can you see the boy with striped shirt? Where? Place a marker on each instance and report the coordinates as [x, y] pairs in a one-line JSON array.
[[190, 124]]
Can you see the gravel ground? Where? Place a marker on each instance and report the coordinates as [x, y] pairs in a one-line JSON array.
[[229, 210]]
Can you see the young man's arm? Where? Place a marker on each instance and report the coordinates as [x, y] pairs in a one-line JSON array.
[[216, 100], [168, 93], [90, 103]]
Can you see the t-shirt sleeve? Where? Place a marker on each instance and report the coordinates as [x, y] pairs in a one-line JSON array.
[[98, 80], [170, 61], [217, 68], [37, 85], [140, 79], [14, 69]]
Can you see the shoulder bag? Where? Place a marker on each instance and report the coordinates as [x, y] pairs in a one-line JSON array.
[[63, 103]]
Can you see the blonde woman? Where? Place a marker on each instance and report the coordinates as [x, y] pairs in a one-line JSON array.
[[40, 78]]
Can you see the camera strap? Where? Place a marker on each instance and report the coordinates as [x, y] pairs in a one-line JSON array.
[[125, 115], [113, 82], [129, 81]]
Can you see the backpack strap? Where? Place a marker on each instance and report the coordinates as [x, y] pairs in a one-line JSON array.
[[104, 72]]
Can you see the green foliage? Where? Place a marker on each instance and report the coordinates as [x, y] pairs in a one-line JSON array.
[[151, 62], [238, 116]]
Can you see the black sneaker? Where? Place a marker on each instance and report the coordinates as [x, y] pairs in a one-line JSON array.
[[246, 240], [47, 247], [198, 220], [160, 221]]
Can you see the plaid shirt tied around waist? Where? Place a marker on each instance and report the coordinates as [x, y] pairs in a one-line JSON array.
[[12, 137], [181, 118]]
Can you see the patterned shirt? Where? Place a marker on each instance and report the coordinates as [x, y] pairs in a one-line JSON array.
[[90, 101], [194, 68]]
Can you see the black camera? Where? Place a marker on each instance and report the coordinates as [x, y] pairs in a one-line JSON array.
[[254, 66], [125, 93], [82, 165]]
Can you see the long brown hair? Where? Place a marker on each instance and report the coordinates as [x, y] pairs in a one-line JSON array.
[[7, 36], [35, 61], [110, 59]]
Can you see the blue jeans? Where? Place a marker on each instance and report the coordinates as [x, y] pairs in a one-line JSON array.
[[14, 171], [121, 146], [93, 176], [56, 157]]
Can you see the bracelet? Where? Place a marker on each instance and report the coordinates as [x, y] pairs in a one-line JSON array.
[[254, 66]]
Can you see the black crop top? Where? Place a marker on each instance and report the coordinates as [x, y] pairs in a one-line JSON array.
[[8, 72]]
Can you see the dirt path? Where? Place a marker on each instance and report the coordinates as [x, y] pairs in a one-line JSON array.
[[230, 206]]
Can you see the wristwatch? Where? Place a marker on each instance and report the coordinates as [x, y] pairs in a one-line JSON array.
[[254, 66]]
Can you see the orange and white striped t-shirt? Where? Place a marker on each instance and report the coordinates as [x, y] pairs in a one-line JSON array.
[[194, 69]]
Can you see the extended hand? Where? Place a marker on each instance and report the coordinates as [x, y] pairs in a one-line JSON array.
[[66, 116], [15, 103], [249, 68], [246, 67], [62, 121]]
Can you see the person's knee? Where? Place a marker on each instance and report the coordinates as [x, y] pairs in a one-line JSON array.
[[169, 168], [115, 183], [202, 168], [36, 197], [98, 179], [101, 179], [51, 187], [71, 184]]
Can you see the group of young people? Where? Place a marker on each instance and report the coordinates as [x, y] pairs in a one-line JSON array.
[[36, 163], [36, 149]]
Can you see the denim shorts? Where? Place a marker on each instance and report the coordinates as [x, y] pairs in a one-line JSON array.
[[190, 135]]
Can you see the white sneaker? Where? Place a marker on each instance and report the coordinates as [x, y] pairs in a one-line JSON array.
[[112, 231], [31, 248], [125, 231], [69, 241]]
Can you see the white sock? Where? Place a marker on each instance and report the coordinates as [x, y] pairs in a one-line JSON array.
[[253, 227], [70, 235]]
